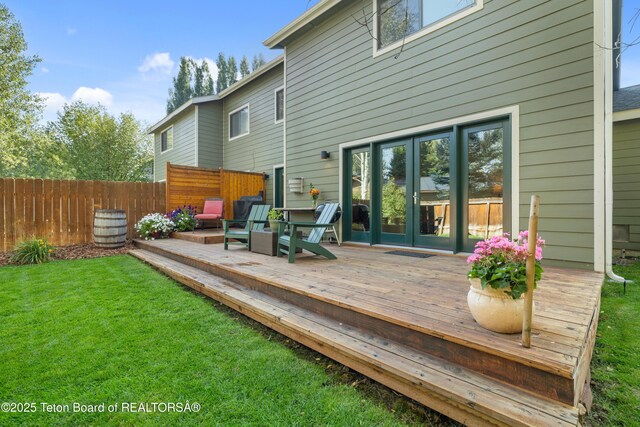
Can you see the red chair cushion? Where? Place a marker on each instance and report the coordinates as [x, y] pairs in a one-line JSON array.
[[208, 216]]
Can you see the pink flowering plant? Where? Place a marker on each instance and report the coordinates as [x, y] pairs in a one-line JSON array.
[[501, 263]]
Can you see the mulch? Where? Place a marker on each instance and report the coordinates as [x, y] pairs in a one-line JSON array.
[[83, 251]]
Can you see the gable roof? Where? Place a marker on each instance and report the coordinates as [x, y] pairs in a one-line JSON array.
[[251, 77], [304, 21], [180, 109], [627, 98], [626, 103]]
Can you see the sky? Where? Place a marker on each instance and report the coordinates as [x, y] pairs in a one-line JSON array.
[[124, 53]]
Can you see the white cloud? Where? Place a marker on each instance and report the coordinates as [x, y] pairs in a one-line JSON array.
[[93, 96], [53, 102], [160, 62], [44, 70], [71, 31]]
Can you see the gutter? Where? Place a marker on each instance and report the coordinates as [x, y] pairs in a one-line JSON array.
[[608, 147]]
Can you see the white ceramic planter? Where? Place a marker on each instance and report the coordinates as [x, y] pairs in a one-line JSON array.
[[495, 310]]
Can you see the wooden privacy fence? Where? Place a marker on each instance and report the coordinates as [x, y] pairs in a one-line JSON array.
[[62, 211], [187, 185]]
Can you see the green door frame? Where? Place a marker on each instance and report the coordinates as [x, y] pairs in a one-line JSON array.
[[278, 187]]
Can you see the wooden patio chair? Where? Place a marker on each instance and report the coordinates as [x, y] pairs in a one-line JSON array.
[[289, 244], [213, 210], [256, 221]]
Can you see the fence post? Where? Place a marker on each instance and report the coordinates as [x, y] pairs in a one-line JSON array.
[[531, 269]]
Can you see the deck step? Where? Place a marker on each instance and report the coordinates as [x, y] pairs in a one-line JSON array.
[[203, 237], [460, 393]]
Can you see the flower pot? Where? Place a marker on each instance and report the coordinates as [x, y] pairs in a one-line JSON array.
[[494, 309], [273, 224]]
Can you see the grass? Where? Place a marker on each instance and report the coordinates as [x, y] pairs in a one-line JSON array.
[[112, 330], [616, 362]]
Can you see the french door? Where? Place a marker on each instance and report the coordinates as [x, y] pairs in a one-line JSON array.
[[443, 190]]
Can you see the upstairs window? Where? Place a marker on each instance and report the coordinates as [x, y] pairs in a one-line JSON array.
[[279, 105], [166, 140], [398, 19], [239, 122]]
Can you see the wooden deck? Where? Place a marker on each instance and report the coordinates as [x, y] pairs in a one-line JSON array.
[[203, 237], [404, 321]]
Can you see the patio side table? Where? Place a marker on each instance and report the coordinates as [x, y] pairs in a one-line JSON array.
[[264, 242]]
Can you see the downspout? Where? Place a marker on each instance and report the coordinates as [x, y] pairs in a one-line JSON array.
[[608, 142]]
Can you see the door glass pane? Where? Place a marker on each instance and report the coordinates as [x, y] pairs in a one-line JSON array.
[[485, 198], [434, 188], [394, 189], [361, 189]]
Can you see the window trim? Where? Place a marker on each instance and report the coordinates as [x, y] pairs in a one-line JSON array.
[[248, 107], [447, 20], [275, 104], [172, 136]]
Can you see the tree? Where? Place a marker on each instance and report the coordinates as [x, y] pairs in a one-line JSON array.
[[98, 146], [223, 81], [244, 67], [20, 136], [203, 82], [182, 90], [257, 62], [232, 70]]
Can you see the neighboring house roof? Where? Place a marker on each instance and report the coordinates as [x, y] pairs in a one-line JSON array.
[[626, 103], [251, 77], [302, 23], [180, 109]]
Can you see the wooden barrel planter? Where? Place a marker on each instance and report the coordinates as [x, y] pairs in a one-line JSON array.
[[110, 228]]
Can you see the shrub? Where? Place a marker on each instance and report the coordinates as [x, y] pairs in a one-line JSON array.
[[155, 226], [34, 251], [184, 218]]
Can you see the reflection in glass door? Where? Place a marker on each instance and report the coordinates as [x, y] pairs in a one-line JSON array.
[[484, 184], [394, 200], [360, 189], [432, 192]]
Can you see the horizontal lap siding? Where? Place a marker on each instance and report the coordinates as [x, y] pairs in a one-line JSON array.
[[626, 180], [183, 152], [537, 55], [263, 147], [210, 135]]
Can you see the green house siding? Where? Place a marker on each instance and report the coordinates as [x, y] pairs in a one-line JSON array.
[[626, 180], [262, 148], [210, 135], [183, 151], [534, 55]]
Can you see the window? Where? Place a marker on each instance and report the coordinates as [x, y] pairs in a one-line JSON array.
[[279, 105], [398, 19], [166, 140], [239, 122]]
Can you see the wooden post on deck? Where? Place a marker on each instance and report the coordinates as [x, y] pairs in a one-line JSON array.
[[531, 270]]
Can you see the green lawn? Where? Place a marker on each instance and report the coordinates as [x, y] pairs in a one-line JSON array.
[[114, 331], [616, 361]]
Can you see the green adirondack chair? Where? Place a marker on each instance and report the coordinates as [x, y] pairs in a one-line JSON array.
[[289, 244], [256, 221]]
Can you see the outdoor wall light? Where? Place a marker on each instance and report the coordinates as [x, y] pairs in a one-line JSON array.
[[324, 155]]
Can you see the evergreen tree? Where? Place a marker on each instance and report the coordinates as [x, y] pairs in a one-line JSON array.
[[198, 82], [182, 90], [223, 81], [207, 87], [244, 67], [232, 70], [257, 62]]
